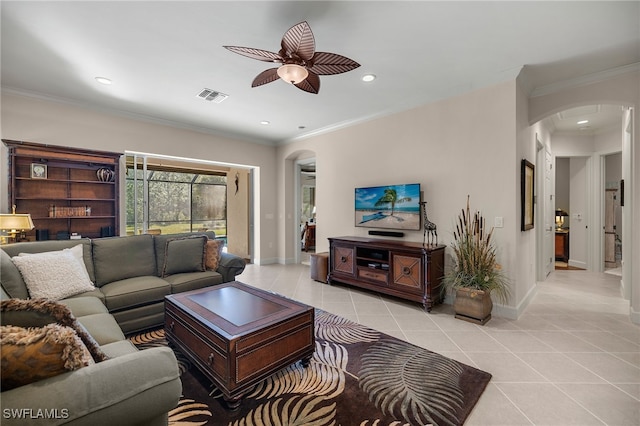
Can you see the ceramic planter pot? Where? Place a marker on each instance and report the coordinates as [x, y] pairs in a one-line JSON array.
[[473, 305]]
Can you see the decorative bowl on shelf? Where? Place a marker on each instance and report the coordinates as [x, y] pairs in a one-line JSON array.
[[105, 175]]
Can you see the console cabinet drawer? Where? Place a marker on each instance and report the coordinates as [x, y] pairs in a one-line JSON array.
[[373, 275], [343, 260], [407, 273]]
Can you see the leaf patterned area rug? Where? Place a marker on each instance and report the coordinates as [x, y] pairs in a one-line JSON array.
[[357, 376]]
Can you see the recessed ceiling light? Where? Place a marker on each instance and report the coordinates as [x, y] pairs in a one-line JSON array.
[[103, 80], [368, 77], [583, 122], [302, 127], [265, 122]]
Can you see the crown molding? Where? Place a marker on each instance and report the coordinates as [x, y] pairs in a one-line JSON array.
[[584, 80]]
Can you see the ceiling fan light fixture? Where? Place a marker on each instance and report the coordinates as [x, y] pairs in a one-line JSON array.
[[292, 73]]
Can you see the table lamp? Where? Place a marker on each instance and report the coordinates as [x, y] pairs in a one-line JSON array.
[[560, 215], [15, 223]]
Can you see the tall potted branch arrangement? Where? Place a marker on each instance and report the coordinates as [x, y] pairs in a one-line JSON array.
[[476, 273]]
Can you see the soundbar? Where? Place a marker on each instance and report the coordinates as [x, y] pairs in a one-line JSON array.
[[387, 233]]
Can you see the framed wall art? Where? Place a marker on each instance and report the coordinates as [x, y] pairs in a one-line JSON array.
[[527, 182], [38, 171]]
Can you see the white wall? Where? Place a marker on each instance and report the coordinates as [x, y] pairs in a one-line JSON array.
[[456, 147], [41, 121], [528, 251]]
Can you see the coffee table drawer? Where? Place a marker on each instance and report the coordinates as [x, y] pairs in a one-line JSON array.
[[279, 347], [191, 339]]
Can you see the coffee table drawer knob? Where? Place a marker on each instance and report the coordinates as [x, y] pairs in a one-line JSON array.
[[211, 358], [172, 325]]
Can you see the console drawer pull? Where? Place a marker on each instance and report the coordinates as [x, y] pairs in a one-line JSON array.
[[172, 325], [210, 359]]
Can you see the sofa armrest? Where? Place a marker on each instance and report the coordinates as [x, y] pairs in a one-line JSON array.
[[131, 389], [229, 266]]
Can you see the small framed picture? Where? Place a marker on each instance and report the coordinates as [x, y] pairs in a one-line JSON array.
[[527, 195], [38, 171]]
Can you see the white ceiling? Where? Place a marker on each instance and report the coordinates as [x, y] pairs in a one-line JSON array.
[[161, 54]]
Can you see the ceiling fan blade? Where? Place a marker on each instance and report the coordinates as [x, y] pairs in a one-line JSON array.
[[259, 54], [299, 40], [310, 84], [325, 63], [265, 77]]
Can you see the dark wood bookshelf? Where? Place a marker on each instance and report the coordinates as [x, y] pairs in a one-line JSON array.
[[70, 182]]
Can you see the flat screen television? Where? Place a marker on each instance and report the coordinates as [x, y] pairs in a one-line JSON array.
[[388, 207]]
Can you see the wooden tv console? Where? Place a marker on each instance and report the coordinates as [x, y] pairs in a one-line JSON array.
[[407, 270]]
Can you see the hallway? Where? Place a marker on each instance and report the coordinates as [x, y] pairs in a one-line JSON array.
[[573, 357]]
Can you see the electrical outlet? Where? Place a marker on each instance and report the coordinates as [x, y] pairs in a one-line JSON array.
[[498, 222]]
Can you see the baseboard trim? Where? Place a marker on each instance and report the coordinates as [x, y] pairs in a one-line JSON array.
[[514, 313], [576, 264]]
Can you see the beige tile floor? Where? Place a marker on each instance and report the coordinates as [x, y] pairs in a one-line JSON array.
[[572, 358]]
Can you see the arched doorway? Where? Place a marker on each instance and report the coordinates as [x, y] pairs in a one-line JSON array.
[[588, 156], [300, 202]]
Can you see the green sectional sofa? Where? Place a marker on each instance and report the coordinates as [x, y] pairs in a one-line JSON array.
[[131, 274], [129, 278]]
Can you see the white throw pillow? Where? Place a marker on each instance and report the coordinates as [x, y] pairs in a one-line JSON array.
[[77, 252], [53, 275]]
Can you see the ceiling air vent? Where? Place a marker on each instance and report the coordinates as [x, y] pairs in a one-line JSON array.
[[212, 96]]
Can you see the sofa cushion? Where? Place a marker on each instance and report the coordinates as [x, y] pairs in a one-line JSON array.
[[54, 245], [212, 253], [119, 258], [137, 291], [140, 318], [53, 275], [36, 353], [95, 294], [193, 280], [81, 306], [184, 254], [103, 328], [40, 312], [120, 348], [11, 279]]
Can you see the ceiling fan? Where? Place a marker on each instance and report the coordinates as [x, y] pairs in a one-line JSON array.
[[301, 64]]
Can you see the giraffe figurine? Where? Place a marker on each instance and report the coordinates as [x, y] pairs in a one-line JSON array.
[[429, 227]]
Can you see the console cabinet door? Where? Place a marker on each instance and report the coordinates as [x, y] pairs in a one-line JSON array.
[[343, 260], [407, 273]]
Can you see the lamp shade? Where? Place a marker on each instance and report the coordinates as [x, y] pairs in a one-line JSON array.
[[16, 221], [292, 73]]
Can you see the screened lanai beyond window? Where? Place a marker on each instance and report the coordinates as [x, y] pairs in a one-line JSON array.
[[176, 200]]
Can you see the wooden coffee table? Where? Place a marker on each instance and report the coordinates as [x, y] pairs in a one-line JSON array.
[[238, 335]]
